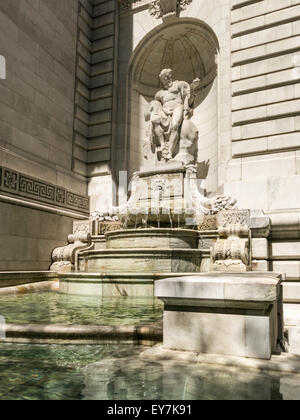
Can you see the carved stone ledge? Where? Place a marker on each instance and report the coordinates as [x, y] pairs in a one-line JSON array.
[[105, 227], [20, 185], [209, 223], [260, 224], [233, 217]]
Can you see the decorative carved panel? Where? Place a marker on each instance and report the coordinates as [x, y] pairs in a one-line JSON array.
[[157, 8], [167, 8], [16, 183]]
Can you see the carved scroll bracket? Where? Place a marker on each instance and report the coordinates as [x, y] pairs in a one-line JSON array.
[[232, 250], [64, 259]]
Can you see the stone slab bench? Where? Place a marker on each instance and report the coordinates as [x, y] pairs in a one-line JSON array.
[[223, 313]]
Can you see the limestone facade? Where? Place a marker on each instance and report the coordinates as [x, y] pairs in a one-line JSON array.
[[80, 74], [40, 194]]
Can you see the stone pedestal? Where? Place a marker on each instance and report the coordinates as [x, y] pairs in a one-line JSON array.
[[229, 314], [164, 195]]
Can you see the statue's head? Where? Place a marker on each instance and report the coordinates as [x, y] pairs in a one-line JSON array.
[[166, 77]]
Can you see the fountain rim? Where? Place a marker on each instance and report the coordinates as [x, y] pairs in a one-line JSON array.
[[166, 231]]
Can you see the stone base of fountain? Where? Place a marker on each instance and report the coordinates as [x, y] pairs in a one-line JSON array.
[[132, 258], [153, 238], [142, 260], [165, 228]]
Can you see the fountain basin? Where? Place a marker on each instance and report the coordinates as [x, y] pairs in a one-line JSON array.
[[141, 260], [153, 238], [114, 284]]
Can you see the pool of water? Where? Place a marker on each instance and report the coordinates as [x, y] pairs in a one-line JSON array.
[[112, 372], [55, 308]]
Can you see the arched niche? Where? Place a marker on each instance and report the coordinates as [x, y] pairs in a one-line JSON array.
[[190, 48]]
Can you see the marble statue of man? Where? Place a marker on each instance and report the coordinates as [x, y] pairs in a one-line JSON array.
[[170, 108]]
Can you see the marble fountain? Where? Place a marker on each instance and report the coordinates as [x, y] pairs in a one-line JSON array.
[[171, 241]]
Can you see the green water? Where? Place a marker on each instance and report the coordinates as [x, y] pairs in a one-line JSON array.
[[55, 308], [112, 372]]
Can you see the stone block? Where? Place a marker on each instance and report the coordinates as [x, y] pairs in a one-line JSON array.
[[291, 292], [277, 192], [215, 333], [294, 340], [102, 155], [285, 225], [260, 224], [260, 249], [234, 170], [5, 218], [291, 312], [249, 147], [269, 166], [261, 265], [231, 314], [204, 332], [246, 193], [285, 250], [258, 336], [291, 268]]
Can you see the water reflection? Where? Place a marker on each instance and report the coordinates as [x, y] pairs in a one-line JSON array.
[[130, 378], [116, 372], [54, 308]]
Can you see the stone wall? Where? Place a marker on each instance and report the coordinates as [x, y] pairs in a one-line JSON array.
[[38, 40], [39, 193], [264, 170], [28, 237], [94, 96]]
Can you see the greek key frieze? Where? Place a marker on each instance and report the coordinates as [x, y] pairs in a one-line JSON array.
[[37, 188], [76, 200], [25, 186]]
